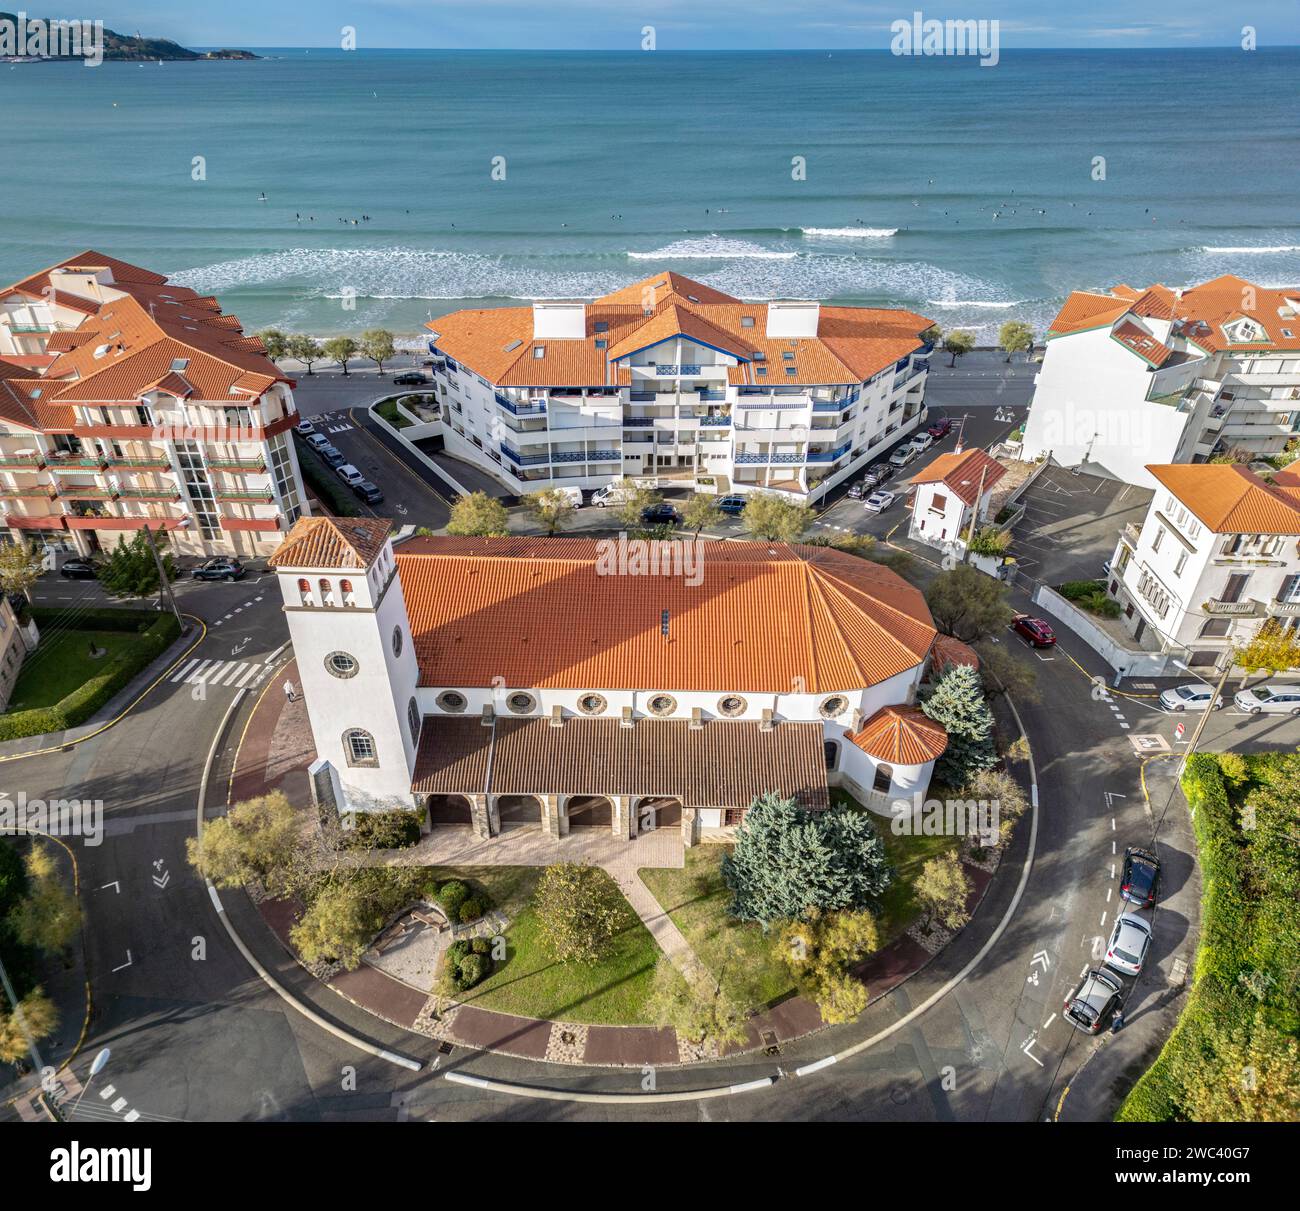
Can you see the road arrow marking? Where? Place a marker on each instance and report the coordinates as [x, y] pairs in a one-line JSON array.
[[1041, 959], [125, 965], [166, 878], [114, 886]]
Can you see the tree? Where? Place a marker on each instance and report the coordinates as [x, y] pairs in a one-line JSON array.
[[942, 889], [20, 568], [958, 343], [340, 349], [1002, 673], [49, 916], [477, 514], [336, 927], [700, 512], [861, 545], [989, 540], [956, 701], [1003, 794], [256, 839], [275, 342], [787, 860], [1274, 649], [1015, 337], [633, 502], [967, 604], [303, 349], [377, 345], [703, 1010], [932, 335], [131, 571], [820, 949], [775, 519], [1238, 1072], [35, 1018], [579, 909], [551, 509]]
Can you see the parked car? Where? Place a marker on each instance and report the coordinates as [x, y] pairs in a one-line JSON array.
[[1270, 699], [856, 491], [78, 569], [1194, 694], [732, 506], [877, 475], [572, 495], [1140, 877], [878, 501], [305, 427], [941, 428], [1105, 568], [223, 567], [318, 441], [1088, 1008], [660, 515], [368, 492], [1129, 942], [902, 456], [412, 378], [349, 475], [611, 495], [922, 442], [1035, 630], [332, 455]]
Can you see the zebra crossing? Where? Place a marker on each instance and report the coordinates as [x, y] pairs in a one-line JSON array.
[[237, 674], [332, 422]]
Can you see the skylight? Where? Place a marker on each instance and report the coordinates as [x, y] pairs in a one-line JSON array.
[[602, 326], [539, 351], [180, 364], [746, 321], [510, 348]]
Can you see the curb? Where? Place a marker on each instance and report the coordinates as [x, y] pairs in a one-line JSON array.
[[560, 1095]]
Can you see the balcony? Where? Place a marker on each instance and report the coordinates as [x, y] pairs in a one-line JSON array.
[[713, 397], [151, 494], [1129, 535], [78, 462], [829, 456], [142, 464], [586, 456], [1242, 609], [685, 369], [254, 465], [830, 405], [537, 408], [37, 492], [1283, 609], [720, 422], [524, 460], [762, 458], [265, 497], [30, 329], [23, 462]]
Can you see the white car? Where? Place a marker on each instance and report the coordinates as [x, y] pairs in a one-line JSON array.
[[1129, 942], [902, 456], [922, 442], [318, 441], [878, 502], [305, 427], [349, 475], [1194, 696], [1269, 699]]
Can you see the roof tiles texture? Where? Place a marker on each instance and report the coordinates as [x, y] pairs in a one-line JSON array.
[[961, 471], [332, 543], [901, 735], [1231, 499]]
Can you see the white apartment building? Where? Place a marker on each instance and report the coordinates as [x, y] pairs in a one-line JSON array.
[[128, 402], [1217, 555], [1131, 378], [672, 380], [517, 682]]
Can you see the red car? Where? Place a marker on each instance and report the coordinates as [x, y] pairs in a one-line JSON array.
[[1035, 630], [940, 428]]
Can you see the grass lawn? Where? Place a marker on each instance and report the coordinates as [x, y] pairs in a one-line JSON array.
[[62, 662], [388, 410]]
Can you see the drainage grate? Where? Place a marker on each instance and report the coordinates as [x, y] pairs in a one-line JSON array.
[[770, 1045], [444, 1049]]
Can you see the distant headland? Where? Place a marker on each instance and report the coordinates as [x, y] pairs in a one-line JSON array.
[[118, 47]]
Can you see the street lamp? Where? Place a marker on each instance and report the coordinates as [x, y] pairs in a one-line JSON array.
[[96, 1067], [1209, 706]]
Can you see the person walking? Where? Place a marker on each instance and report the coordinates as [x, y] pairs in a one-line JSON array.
[[1117, 1022], [290, 694]]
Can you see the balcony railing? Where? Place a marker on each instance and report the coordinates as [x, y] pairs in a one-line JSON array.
[[531, 409], [585, 456], [27, 462], [36, 492], [150, 494], [1241, 608], [638, 422], [829, 456], [255, 465], [1284, 609], [264, 497], [142, 464], [524, 460], [750, 456], [1129, 535], [713, 396], [78, 462], [719, 421]]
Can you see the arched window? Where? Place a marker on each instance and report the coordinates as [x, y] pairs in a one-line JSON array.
[[326, 592], [359, 747], [884, 778], [345, 587], [304, 590], [413, 720], [397, 641], [832, 751]]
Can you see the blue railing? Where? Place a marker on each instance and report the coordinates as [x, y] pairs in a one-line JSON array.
[[525, 460], [537, 409], [830, 405], [715, 420], [638, 421], [713, 395], [643, 397], [668, 370], [748, 457], [829, 456], [585, 456]]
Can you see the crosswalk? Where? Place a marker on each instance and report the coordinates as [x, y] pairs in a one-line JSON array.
[[238, 674], [332, 422]]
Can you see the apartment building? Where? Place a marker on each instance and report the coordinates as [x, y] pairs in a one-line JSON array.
[[1134, 377], [1217, 555], [127, 402], [673, 381]]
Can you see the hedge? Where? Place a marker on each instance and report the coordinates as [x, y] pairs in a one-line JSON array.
[[96, 618], [78, 706], [325, 483]]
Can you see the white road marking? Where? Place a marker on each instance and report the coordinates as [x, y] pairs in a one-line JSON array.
[[185, 670], [1103, 919]]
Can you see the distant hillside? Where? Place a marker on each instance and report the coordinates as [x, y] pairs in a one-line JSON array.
[[125, 47]]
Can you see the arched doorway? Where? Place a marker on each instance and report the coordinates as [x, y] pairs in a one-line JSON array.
[[658, 811], [590, 811], [519, 811], [445, 810]]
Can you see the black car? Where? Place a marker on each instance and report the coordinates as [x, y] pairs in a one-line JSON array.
[[220, 568], [332, 455], [410, 379], [78, 569], [1140, 877], [368, 492], [660, 515]]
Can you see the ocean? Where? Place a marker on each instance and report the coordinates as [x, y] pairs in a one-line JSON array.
[[970, 194]]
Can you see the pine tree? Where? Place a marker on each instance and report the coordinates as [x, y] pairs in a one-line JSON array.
[[957, 702]]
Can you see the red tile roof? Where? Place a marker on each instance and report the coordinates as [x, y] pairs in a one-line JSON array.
[[332, 542], [1231, 499], [949, 652], [960, 470], [901, 735]]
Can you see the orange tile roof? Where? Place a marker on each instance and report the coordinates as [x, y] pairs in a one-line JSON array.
[[1231, 499], [1142, 343], [901, 735], [960, 470], [949, 652], [1085, 309], [763, 619], [332, 542]]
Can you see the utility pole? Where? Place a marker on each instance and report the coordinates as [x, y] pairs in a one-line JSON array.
[[1205, 714], [974, 515], [165, 594]]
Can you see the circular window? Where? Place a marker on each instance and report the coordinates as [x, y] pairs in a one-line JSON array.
[[662, 704], [341, 664], [521, 704], [397, 641], [731, 705], [592, 704], [451, 701], [834, 706]]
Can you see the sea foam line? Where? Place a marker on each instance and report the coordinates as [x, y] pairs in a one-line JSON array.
[[1247, 250], [850, 233]]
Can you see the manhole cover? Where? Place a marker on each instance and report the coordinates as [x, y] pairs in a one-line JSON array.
[[567, 1037], [770, 1045]]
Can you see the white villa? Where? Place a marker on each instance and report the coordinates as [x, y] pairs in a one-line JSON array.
[[502, 682], [953, 491], [673, 380], [1135, 377]]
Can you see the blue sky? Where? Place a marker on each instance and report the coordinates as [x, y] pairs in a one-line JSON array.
[[691, 24]]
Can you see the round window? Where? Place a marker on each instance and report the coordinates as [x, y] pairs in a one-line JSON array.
[[731, 705], [451, 701], [397, 641], [592, 704], [341, 664], [834, 706], [663, 704], [521, 704]]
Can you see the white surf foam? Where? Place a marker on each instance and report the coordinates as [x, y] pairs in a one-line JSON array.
[[713, 248], [850, 233], [1252, 250]]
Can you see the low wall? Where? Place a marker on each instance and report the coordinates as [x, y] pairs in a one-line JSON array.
[[1131, 662], [417, 431]]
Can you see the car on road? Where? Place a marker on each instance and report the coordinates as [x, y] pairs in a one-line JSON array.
[[332, 455], [78, 569], [660, 515], [732, 506], [349, 475], [369, 492], [1034, 630], [1105, 568], [877, 475], [317, 441], [223, 567], [1275, 699], [1088, 1008], [878, 501], [411, 378], [1129, 942], [306, 428], [1195, 695], [1140, 877], [856, 491], [921, 442], [941, 428], [611, 495], [902, 456]]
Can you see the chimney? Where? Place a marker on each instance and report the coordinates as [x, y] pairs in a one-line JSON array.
[[488, 714], [697, 719], [856, 726], [559, 321], [557, 716], [663, 623], [767, 723], [625, 719]]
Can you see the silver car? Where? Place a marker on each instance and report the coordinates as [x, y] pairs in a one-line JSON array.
[[1129, 941], [1269, 699], [1195, 696], [1099, 993]]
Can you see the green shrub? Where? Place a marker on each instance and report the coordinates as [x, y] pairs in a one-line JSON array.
[[473, 969], [480, 946], [455, 952], [95, 618], [451, 896], [328, 487], [1073, 590], [471, 910], [396, 828]]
